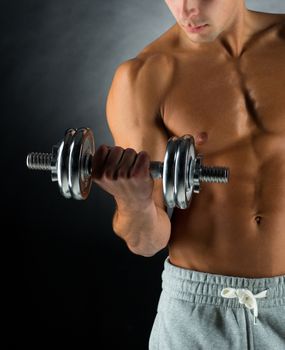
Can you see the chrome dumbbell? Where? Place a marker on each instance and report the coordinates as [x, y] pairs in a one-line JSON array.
[[182, 171]]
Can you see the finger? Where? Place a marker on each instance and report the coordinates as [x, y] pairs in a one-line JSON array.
[[126, 163], [99, 159], [112, 161], [141, 165]]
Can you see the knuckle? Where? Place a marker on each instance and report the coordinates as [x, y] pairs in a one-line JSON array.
[[139, 171], [118, 149], [144, 155], [108, 174], [122, 173], [134, 172], [129, 153], [102, 148]]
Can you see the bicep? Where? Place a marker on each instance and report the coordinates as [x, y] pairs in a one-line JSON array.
[[133, 115]]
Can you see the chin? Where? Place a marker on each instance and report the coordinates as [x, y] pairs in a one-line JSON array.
[[203, 38]]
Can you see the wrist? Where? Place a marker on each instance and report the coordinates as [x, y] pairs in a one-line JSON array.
[[137, 207]]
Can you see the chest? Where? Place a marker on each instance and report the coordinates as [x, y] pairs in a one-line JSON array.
[[228, 98]]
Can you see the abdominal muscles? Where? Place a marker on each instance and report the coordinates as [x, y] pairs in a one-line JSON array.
[[238, 228]]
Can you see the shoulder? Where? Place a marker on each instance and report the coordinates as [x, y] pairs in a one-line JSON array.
[[275, 20], [145, 63], [271, 25], [155, 65], [155, 58], [278, 19], [263, 20], [149, 75], [151, 69], [278, 26]]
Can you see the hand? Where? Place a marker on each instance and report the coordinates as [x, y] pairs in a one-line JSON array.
[[123, 173]]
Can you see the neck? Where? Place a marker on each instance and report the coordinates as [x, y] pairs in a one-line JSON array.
[[238, 32], [233, 38]]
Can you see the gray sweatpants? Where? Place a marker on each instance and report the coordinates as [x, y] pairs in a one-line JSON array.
[[198, 310]]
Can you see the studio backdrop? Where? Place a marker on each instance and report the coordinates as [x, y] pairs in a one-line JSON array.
[[71, 280]]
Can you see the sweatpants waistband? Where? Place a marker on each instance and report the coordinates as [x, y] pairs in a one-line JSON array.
[[230, 291]]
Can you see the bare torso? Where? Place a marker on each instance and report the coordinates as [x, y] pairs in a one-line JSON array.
[[235, 109]]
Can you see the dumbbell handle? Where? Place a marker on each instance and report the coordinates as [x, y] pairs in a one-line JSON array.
[[43, 161]]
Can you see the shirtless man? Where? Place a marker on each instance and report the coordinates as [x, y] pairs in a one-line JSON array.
[[223, 281]]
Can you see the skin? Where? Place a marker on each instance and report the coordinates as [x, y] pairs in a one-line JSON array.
[[230, 23], [225, 87], [235, 229], [238, 228]]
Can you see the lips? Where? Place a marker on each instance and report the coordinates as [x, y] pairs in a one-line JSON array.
[[198, 29], [198, 26]]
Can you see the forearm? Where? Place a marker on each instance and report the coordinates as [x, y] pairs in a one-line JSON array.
[[146, 229]]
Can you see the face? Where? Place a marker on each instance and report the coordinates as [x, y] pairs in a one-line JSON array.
[[219, 15]]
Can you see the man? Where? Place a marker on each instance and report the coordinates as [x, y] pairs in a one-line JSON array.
[[217, 74]]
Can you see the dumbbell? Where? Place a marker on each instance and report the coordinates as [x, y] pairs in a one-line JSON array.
[[182, 171]]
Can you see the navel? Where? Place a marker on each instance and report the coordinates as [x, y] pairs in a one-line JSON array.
[[258, 219], [201, 137]]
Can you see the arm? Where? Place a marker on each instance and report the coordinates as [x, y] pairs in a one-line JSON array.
[[133, 116]]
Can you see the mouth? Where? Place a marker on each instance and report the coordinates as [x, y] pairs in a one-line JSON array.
[[196, 29], [196, 26]]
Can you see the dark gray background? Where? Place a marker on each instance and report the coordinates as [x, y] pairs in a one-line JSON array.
[[71, 280]]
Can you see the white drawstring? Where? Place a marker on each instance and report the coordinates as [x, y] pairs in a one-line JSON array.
[[246, 297]]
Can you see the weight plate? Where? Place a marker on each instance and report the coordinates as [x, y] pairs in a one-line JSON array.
[[81, 148], [196, 169], [183, 159], [191, 180], [168, 172], [62, 163]]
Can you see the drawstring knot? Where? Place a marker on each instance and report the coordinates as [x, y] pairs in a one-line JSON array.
[[245, 297]]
